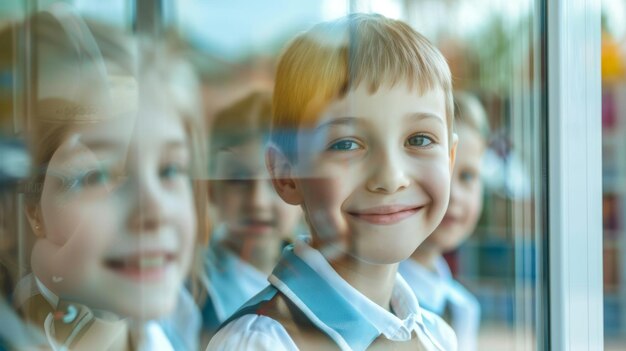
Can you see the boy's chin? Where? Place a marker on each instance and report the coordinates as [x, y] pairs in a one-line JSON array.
[[383, 255]]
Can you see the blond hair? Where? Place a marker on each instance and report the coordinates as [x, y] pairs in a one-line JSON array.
[[469, 112], [332, 58], [246, 119]]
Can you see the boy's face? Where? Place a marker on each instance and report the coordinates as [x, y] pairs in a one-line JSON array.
[[373, 174], [116, 222], [246, 201], [465, 193]]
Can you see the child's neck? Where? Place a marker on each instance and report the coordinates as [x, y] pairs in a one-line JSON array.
[[375, 281], [427, 256], [261, 255]]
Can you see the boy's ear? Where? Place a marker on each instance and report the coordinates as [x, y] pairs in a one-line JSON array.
[[33, 214], [280, 170], [453, 145]]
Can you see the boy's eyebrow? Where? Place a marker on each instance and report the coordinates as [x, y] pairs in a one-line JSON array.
[[425, 115], [347, 120], [338, 121]]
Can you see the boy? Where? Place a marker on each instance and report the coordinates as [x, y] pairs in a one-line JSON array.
[[363, 142], [254, 221], [426, 271]]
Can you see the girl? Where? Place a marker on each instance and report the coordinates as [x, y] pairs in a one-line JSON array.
[[112, 208]]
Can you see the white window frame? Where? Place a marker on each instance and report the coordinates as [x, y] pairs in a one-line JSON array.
[[575, 175]]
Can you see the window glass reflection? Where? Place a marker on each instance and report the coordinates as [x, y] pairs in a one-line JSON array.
[[129, 145]]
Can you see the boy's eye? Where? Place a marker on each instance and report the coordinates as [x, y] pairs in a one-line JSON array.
[[467, 176], [345, 145], [171, 171], [419, 141]]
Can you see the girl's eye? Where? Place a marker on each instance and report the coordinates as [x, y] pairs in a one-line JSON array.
[[345, 145], [90, 179], [419, 141], [95, 178]]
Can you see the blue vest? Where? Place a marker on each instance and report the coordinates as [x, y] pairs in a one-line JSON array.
[[347, 325]]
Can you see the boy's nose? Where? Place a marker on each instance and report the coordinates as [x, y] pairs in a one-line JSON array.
[[388, 175], [261, 192]]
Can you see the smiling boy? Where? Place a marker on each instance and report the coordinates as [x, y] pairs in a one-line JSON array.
[[362, 141]]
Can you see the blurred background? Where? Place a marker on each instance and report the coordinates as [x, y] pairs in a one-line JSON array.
[[496, 50]]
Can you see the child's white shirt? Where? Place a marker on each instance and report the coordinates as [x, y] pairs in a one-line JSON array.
[[255, 332], [437, 289], [154, 339], [230, 281]]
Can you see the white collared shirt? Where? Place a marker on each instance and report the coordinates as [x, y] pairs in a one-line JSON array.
[[437, 289], [154, 338], [255, 332], [230, 281]]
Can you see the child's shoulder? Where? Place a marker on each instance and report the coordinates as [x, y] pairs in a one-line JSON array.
[[276, 325], [252, 332]]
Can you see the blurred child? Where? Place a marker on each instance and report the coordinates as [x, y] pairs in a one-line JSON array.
[[14, 334], [112, 205], [254, 220], [426, 271], [362, 141]]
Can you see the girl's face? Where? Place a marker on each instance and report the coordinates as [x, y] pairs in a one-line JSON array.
[[246, 201], [465, 193], [116, 221]]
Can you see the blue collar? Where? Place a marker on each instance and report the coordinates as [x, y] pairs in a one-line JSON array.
[[321, 303]]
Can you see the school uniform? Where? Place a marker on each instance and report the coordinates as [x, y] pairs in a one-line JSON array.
[[230, 282], [438, 292], [342, 313], [68, 325], [182, 327]]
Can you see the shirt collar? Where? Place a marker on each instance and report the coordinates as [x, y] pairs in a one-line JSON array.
[[155, 339], [429, 287], [230, 281], [304, 274]]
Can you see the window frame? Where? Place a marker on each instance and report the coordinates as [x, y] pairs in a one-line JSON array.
[[574, 175]]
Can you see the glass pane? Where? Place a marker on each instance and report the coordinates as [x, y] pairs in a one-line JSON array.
[[494, 49], [495, 52], [348, 198], [613, 172]]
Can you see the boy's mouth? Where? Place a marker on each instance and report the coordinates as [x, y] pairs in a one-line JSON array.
[[258, 226], [145, 266], [385, 215]]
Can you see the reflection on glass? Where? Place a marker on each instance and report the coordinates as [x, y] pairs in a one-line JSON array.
[[253, 223], [426, 271], [110, 206], [362, 141], [91, 175]]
